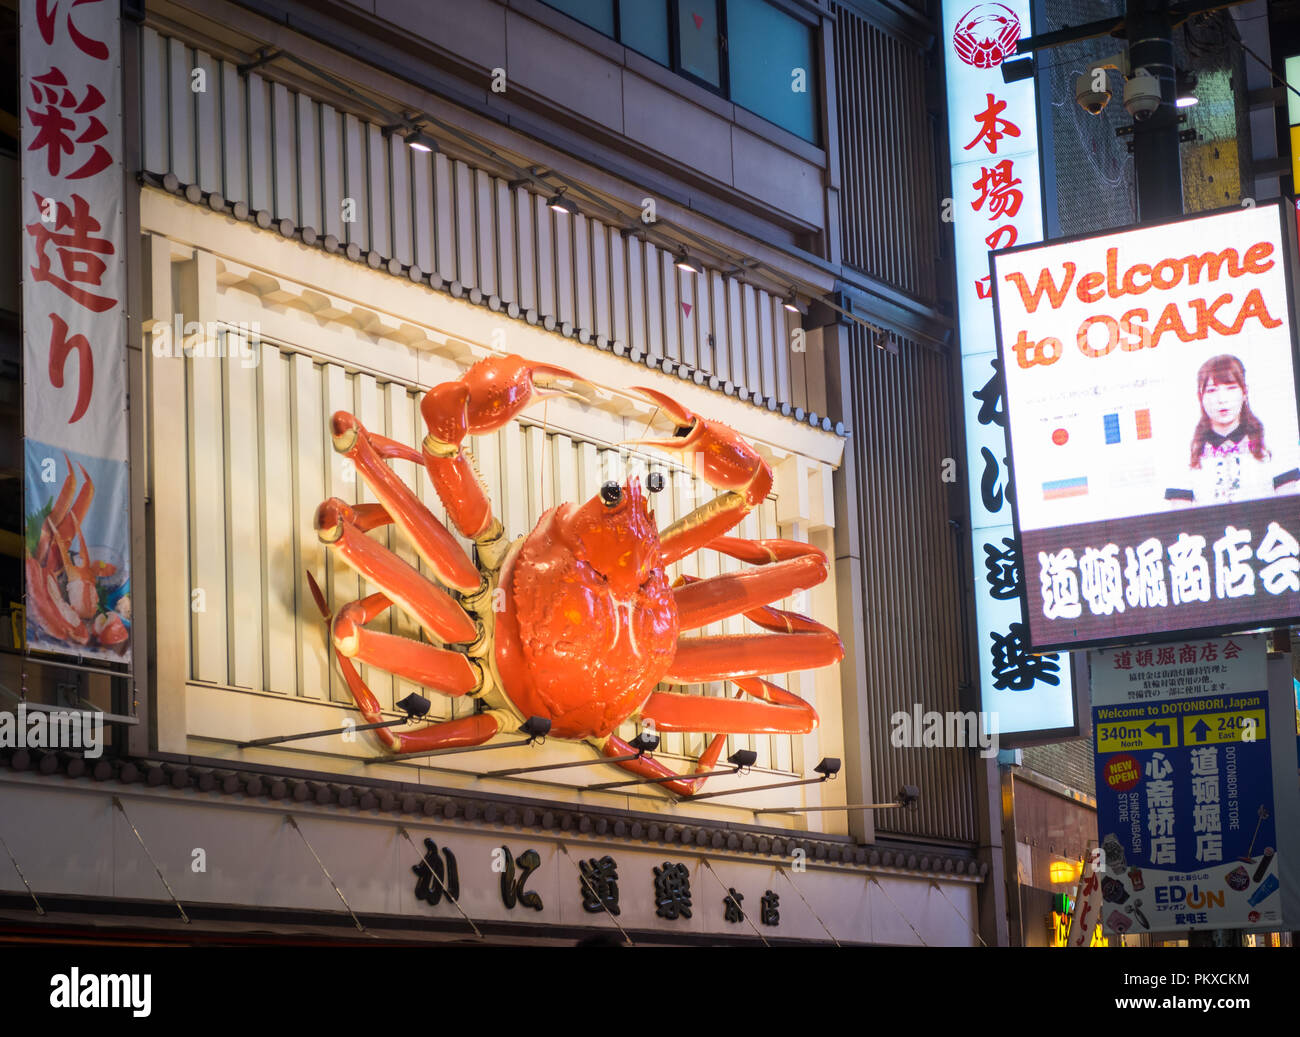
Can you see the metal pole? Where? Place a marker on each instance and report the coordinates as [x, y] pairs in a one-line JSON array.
[[161, 877], [277, 739], [813, 810], [1157, 165], [401, 830], [594, 895]]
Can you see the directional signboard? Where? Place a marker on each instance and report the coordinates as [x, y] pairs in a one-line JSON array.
[[1185, 798]]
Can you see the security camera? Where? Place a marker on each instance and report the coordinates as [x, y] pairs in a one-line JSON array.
[[1142, 95], [1091, 90], [1089, 98]]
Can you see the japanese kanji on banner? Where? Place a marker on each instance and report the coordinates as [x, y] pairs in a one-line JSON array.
[[78, 567], [1151, 400], [1185, 795], [996, 203]]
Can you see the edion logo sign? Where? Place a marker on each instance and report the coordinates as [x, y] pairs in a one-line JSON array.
[[986, 34], [1195, 897]]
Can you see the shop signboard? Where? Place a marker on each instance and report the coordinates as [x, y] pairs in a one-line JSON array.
[[77, 549], [1151, 409], [1186, 810], [996, 203]]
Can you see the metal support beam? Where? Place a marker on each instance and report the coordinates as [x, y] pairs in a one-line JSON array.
[[814, 810], [275, 740], [764, 788], [560, 766], [664, 779]]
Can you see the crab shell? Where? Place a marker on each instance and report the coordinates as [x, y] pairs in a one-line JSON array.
[[590, 623]]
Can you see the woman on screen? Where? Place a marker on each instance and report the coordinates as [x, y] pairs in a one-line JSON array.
[[1229, 461]]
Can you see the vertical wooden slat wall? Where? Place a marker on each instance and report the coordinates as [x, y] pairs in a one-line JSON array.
[[912, 586], [888, 200], [259, 433], [278, 150], [902, 430]]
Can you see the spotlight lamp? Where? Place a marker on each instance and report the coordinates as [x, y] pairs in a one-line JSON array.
[[415, 706], [535, 727], [645, 742], [908, 796], [791, 303], [829, 767], [559, 203], [686, 263], [421, 141], [743, 758]]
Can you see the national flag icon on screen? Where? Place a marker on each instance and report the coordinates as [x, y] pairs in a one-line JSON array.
[[1111, 424], [1055, 489], [1143, 419]]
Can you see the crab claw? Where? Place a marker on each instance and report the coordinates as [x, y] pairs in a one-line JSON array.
[[724, 460], [491, 393]]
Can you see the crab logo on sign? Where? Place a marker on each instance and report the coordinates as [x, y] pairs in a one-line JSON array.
[[986, 34]]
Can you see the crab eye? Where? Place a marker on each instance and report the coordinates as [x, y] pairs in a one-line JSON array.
[[611, 493]]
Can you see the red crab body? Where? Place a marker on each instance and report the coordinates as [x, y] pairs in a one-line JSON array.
[[576, 623], [572, 644]]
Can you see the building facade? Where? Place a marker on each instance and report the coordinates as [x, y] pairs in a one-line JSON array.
[[336, 207]]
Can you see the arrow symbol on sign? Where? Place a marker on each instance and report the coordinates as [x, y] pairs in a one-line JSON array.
[[1201, 729], [1159, 729]]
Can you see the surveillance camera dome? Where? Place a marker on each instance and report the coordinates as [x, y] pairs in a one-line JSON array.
[[1142, 95], [1090, 100]]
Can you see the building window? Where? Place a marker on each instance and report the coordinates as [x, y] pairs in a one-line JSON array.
[[749, 51], [643, 26], [772, 66], [699, 49], [599, 14]]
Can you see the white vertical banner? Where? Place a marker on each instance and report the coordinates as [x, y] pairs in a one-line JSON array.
[[74, 341], [996, 203]]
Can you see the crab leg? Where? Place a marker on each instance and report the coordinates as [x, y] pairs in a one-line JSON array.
[[55, 616], [725, 461], [64, 512], [427, 535], [419, 597], [433, 667], [778, 711], [703, 659], [449, 672], [794, 567], [648, 767], [489, 395]]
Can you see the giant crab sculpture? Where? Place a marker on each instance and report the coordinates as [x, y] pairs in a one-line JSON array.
[[586, 624]]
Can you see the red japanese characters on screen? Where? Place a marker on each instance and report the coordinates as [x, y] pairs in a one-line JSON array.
[[1000, 193]]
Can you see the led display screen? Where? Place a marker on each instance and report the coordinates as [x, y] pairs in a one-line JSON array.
[[1152, 424]]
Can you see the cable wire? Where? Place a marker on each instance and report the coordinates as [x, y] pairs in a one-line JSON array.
[[454, 902]]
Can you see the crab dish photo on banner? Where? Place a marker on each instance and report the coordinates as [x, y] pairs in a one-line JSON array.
[[1151, 409]]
